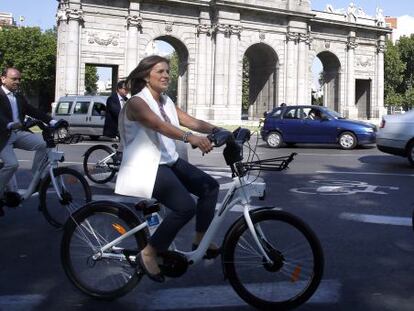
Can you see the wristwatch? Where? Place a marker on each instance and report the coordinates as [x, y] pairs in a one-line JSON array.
[[186, 135]]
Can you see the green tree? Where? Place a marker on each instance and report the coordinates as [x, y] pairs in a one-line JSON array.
[[91, 77], [393, 75], [174, 72], [406, 47], [33, 52]]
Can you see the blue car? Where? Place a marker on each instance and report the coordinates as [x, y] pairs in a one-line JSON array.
[[316, 125]]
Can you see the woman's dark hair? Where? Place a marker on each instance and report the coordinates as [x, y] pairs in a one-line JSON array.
[[136, 79]]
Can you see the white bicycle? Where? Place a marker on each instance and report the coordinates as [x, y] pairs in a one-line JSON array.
[[62, 190], [272, 259]]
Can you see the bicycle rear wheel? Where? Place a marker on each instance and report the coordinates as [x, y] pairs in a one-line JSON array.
[[73, 189], [297, 257], [99, 165], [106, 275]]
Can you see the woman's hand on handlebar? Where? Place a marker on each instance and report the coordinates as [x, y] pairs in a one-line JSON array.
[[201, 142], [16, 125]]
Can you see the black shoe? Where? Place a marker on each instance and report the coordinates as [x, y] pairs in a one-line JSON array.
[[158, 277], [211, 253]]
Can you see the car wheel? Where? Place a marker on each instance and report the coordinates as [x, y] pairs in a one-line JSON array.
[[410, 153], [347, 141], [274, 140]]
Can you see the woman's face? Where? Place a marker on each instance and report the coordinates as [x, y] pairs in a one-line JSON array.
[[159, 77]]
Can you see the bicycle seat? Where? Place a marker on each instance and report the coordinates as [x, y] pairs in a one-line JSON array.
[[147, 206]]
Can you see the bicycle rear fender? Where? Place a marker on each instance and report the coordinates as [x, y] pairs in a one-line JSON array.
[[237, 223]]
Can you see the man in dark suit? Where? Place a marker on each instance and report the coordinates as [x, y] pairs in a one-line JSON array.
[[114, 104], [13, 109]]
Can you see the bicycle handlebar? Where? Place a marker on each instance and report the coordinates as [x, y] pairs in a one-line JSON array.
[[233, 152], [53, 135]]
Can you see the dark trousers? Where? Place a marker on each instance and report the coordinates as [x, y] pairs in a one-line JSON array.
[[173, 188]]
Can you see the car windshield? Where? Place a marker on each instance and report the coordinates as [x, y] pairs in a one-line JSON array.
[[332, 113]]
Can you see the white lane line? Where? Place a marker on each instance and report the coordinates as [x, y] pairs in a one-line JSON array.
[[364, 173], [186, 298], [224, 296], [377, 219], [20, 302]]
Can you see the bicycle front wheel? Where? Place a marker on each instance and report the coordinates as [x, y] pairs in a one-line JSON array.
[[296, 266], [99, 164], [102, 274], [73, 190]]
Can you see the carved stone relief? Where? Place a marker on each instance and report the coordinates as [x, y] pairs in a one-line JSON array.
[[103, 39]]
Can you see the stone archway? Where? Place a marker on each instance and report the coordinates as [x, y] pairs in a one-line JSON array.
[[262, 66], [280, 38], [331, 78], [182, 83]]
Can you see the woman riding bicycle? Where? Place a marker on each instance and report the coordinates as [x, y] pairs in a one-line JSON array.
[[151, 168]]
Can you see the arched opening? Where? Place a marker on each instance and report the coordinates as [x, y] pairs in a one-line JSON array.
[[328, 80], [259, 80], [177, 52]]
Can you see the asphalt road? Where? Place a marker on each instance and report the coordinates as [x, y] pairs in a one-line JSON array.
[[358, 202]]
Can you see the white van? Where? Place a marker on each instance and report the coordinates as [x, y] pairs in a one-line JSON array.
[[85, 114]]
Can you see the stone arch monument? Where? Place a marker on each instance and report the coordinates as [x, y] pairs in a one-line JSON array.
[[279, 38]]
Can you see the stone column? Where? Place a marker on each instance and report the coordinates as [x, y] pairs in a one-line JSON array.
[[134, 26], [202, 100], [291, 73], [61, 50], [350, 78], [379, 107], [74, 18], [302, 85], [219, 68], [233, 72]]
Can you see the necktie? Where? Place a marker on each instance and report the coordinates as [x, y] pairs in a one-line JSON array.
[[164, 115]]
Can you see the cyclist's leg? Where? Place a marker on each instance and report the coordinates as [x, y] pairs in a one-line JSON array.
[[10, 163], [32, 142], [205, 187], [170, 191]]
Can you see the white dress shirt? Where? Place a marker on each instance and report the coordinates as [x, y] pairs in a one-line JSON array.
[[13, 106]]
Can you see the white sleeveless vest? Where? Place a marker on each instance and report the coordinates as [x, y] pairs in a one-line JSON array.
[[141, 150]]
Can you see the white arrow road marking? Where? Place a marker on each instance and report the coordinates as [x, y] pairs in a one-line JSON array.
[[377, 219]]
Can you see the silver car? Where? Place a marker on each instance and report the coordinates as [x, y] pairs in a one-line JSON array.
[[396, 135], [85, 114]]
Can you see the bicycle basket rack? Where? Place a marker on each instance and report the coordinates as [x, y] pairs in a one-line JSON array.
[[271, 164]]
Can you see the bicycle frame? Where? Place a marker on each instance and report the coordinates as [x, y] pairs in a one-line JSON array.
[[49, 162], [107, 158], [240, 193]]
